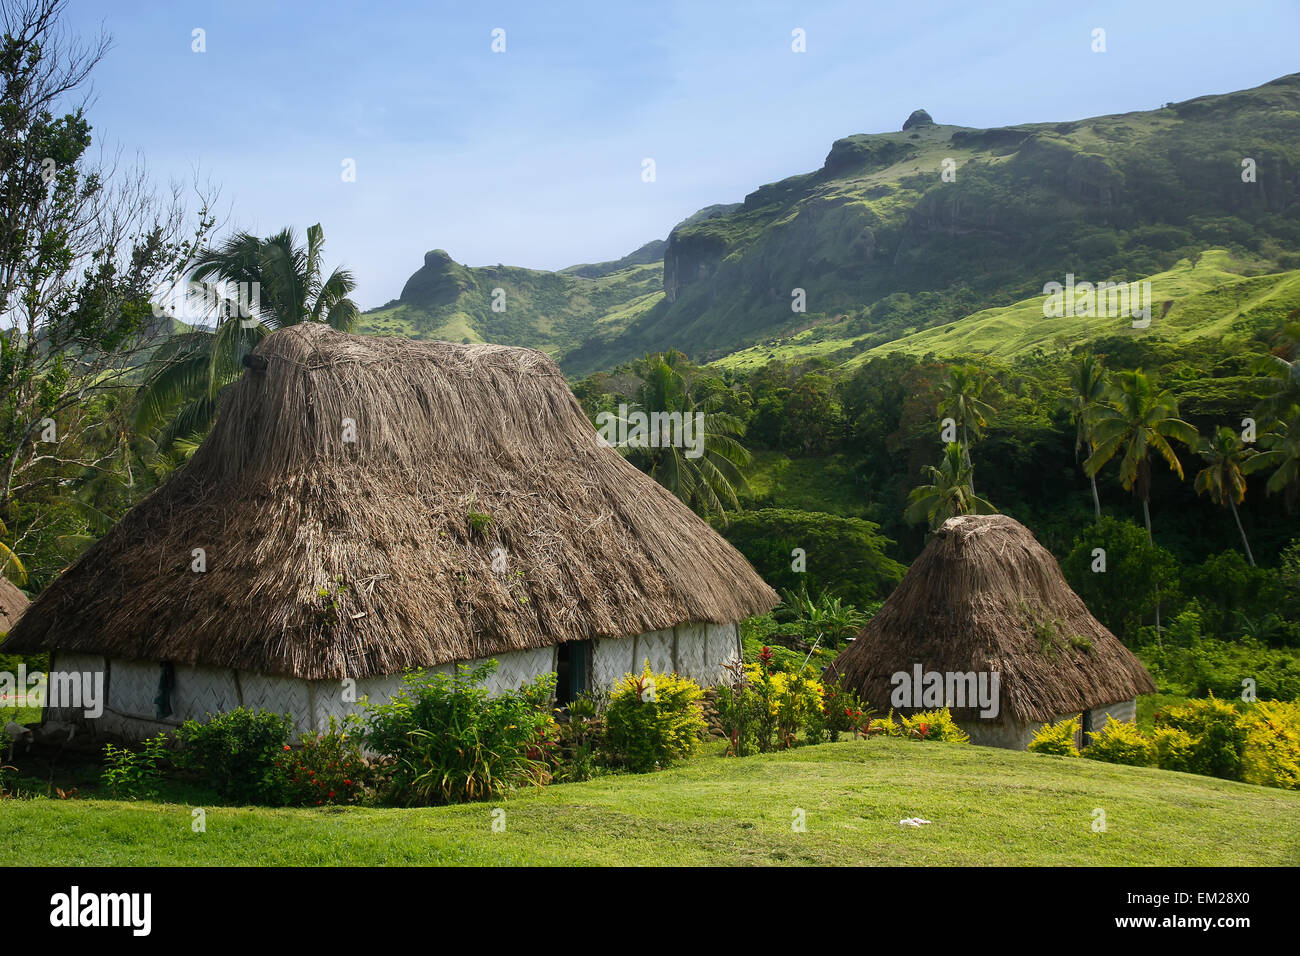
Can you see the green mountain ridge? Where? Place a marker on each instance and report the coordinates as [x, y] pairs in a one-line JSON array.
[[884, 245]]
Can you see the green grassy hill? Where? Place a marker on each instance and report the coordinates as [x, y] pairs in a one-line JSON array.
[[986, 807], [546, 310], [1211, 294], [882, 246]]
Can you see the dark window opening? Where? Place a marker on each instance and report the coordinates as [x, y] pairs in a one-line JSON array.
[[571, 670]]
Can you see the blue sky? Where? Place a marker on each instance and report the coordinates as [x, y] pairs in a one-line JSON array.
[[533, 157]]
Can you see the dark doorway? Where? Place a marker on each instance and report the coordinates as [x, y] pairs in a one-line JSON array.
[[571, 670]]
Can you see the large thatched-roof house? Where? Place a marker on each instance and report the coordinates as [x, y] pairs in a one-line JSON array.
[[985, 598], [367, 505]]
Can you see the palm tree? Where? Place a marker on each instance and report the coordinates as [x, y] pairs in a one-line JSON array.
[[192, 368], [706, 482], [1281, 371], [949, 493], [961, 398], [1282, 456], [13, 567], [1136, 417], [1087, 389], [1223, 478]]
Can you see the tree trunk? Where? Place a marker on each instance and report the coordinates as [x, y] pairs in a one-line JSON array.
[[1146, 516], [1096, 502], [1244, 543], [965, 444]]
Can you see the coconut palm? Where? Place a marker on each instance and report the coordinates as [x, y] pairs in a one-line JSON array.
[[707, 482], [1087, 389], [949, 492], [1281, 455], [1281, 374], [961, 398], [11, 566], [1223, 478], [1136, 417], [192, 368]]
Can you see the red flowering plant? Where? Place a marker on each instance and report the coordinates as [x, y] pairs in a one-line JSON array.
[[843, 710], [325, 767]]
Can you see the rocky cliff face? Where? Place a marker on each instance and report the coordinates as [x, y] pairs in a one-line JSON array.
[[440, 281]]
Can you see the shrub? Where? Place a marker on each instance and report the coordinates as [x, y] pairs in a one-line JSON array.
[[578, 738], [796, 700], [1056, 738], [653, 719], [1271, 756], [1207, 666], [739, 709], [131, 774], [325, 767], [887, 726], [1174, 749], [841, 708], [1217, 732], [235, 752], [446, 739], [934, 725], [1119, 742]]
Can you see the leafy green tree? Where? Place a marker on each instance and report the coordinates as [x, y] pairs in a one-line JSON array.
[[949, 492], [1222, 478], [802, 550], [1087, 389], [192, 368], [1122, 591], [83, 246]]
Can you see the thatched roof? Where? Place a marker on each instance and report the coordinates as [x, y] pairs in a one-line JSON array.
[[12, 605], [331, 559], [984, 595]]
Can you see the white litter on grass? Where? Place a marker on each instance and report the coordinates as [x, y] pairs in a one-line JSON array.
[[912, 822]]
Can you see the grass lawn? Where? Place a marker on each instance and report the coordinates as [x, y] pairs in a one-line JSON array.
[[987, 806]]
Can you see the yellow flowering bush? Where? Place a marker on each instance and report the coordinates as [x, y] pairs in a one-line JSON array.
[[1271, 756], [934, 725], [792, 702], [1056, 738], [653, 719]]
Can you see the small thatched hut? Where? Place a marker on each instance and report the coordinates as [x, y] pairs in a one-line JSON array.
[[985, 598], [12, 605], [367, 505]]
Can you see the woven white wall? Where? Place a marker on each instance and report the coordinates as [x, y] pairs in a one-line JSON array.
[[610, 660], [657, 647], [132, 687], [723, 644], [200, 691], [515, 667], [283, 695], [692, 650]]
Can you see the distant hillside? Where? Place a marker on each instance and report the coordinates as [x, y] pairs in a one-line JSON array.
[[881, 244], [545, 310], [884, 246], [1216, 295]]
